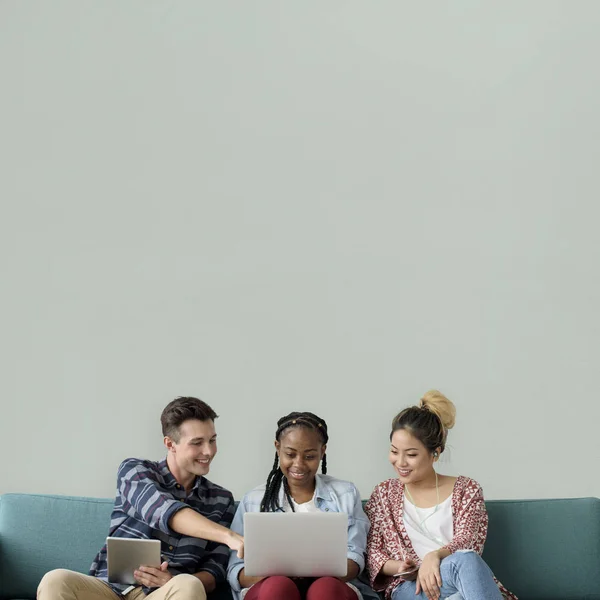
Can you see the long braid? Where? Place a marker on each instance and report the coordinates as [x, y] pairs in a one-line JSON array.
[[288, 494], [270, 501]]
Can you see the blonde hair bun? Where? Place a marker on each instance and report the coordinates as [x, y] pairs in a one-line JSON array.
[[439, 405]]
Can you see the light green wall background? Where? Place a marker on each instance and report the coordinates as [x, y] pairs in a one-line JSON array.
[[276, 206]]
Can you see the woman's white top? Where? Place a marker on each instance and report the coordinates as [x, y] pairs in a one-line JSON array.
[[305, 507], [429, 529]]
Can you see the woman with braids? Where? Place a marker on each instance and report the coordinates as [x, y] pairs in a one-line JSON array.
[[294, 485], [428, 530]]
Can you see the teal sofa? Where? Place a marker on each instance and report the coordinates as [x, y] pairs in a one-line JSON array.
[[540, 549]]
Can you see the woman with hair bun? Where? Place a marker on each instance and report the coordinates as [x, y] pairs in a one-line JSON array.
[[427, 529]]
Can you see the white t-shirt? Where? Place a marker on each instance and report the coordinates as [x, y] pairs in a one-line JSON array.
[[429, 529], [305, 507]]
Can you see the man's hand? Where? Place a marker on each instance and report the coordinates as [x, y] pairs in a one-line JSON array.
[[153, 577], [188, 522], [236, 542]]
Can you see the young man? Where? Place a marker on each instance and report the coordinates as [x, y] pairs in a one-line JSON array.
[[172, 501]]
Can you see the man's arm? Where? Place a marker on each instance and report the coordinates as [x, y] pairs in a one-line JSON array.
[[216, 557], [143, 499], [188, 522]]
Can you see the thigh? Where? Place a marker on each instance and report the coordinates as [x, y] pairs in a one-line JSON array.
[[464, 571], [180, 587], [406, 591], [62, 584]]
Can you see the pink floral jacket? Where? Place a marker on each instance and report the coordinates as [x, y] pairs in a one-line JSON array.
[[388, 538]]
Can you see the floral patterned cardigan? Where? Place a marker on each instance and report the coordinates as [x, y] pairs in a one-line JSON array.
[[388, 538]]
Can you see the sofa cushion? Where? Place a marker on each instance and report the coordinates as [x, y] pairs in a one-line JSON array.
[[546, 549]]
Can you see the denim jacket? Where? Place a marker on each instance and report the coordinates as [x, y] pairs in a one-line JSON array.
[[331, 494]]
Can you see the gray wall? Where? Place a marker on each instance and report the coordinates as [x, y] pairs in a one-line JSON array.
[[328, 206]]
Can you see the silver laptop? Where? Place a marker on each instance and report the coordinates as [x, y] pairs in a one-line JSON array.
[[296, 544], [125, 555]]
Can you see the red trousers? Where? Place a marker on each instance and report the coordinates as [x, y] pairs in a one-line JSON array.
[[284, 588]]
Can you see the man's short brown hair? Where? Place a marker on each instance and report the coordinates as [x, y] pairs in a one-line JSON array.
[[181, 409]]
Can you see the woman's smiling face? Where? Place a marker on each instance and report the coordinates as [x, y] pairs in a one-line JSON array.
[[300, 451], [411, 460]]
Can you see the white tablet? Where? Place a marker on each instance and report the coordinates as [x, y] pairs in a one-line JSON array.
[[313, 544], [125, 555]]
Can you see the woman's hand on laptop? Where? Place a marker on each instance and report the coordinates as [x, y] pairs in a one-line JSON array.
[[352, 572], [236, 542], [153, 577]]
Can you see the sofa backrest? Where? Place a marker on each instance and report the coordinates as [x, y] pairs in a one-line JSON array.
[[546, 549], [540, 549], [39, 533]]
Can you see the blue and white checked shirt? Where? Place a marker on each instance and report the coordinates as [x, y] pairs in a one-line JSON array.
[[147, 497]]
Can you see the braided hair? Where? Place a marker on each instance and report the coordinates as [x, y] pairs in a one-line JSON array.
[[270, 501]]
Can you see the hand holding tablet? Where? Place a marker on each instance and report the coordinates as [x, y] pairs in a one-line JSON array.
[[126, 555]]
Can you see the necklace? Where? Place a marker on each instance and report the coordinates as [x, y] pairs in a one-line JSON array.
[[437, 491]]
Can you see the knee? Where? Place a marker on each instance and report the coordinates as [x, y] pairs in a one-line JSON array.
[[278, 587], [466, 560], [327, 587], [187, 587], [52, 581], [326, 583]]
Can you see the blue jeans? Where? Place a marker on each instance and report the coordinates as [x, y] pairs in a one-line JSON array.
[[464, 574]]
